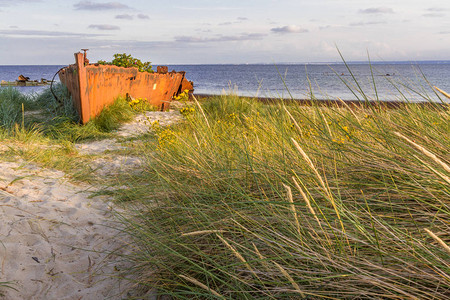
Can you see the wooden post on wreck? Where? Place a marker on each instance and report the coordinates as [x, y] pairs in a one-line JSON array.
[[84, 106]]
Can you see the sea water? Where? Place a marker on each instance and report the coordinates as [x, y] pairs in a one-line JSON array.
[[383, 81]]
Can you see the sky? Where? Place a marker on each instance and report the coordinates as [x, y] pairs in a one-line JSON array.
[[224, 32]]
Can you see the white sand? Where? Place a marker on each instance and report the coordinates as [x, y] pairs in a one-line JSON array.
[[55, 241]]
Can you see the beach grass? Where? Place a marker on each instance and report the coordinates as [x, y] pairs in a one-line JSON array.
[[246, 200], [63, 121], [12, 105], [56, 118]]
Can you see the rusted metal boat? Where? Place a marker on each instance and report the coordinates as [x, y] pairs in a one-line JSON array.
[[94, 86]]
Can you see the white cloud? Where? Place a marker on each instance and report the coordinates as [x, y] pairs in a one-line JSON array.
[[89, 5], [377, 10], [210, 8], [43, 33], [367, 23], [221, 38], [434, 15], [289, 29], [143, 16], [104, 27], [124, 17], [437, 9], [10, 3], [239, 20]]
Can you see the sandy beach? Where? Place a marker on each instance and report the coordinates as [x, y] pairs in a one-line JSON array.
[[56, 241]]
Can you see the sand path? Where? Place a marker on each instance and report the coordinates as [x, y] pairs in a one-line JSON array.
[[55, 241]]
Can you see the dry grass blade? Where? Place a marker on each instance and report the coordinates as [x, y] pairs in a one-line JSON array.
[[425, 151], [446, 178], [200, 232], [198, 283], [237, 254], [326, 123], [308, 203], [313, 212], [294, 210], [437, 239], [257, 252], [293, 120], [311, 165], [201, 110], [350, 110], [322, 183], [442, 92], [291, 280]]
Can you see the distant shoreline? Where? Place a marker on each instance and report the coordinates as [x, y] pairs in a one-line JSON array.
[[326, 102]]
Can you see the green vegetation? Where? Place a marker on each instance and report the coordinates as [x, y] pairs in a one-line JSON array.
[[12, 105], [141, 105], [127, 61], [43, 130], [59, 120], [247, 200]]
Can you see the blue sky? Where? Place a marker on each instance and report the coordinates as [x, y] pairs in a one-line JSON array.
[[214, 31]]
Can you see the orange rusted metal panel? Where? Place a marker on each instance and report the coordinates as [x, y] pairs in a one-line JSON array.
[[94, 86]]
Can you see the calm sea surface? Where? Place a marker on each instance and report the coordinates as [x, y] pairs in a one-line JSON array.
[[324, 80]]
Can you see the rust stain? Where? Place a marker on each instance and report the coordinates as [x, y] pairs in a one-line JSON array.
[[94, 86]]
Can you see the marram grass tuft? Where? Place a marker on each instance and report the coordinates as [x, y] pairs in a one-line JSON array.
[[286, 201]]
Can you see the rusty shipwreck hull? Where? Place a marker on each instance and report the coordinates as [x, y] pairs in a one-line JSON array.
[[94, 86]]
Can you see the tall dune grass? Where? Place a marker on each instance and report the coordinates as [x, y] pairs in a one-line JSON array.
[[12, 105], [246, 200]]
